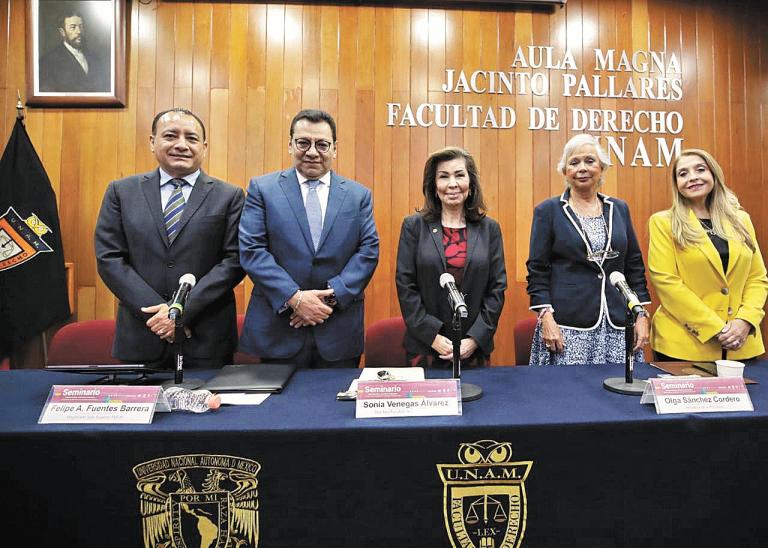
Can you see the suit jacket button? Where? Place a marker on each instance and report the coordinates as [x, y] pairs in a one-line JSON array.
[[730, 311], [599, 276], [171, 264], [724, 291]]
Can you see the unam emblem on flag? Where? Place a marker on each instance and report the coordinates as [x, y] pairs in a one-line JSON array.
[[20, 239]]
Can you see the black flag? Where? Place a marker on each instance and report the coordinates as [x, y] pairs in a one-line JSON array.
[[33, 284]]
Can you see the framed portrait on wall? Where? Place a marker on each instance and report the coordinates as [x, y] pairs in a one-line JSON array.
[[75, 53]]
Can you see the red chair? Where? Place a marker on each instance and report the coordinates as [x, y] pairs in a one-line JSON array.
[[523, 331], [384, 343], [242, 357], [83, 343]]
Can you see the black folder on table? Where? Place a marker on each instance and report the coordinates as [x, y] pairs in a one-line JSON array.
[[260, 377]]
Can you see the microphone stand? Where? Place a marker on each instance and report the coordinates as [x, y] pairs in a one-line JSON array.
[[469, 392], [178, 361], [627, 386]]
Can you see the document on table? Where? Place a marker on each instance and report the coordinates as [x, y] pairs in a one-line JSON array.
[[242, 398]]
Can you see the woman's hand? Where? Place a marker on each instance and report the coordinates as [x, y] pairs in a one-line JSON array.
[[734, 334], [467, 348], [551, 334], [641, 333], [442, 345]]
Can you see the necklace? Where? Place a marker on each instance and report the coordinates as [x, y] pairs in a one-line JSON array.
[[595, 209], [706, 224]]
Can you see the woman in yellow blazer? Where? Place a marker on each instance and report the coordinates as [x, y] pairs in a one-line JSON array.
[[707, 269]]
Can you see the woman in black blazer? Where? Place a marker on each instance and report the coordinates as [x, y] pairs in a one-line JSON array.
[[577, 240], [450, 233]]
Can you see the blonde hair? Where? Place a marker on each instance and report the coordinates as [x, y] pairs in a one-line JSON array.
[[578, 141], [722, 204]]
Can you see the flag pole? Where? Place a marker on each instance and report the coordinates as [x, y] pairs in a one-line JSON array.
[[19, 107]]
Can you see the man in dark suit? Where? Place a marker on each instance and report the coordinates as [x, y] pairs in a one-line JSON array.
[[155, 227], [309, 243], [70, 66]]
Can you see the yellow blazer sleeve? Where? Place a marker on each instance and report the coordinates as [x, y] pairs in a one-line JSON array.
[[756, 287], [668, 277]]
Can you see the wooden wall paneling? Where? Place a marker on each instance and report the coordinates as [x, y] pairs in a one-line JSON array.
[[105, 160], [220, 29], [606, 29], [183, 55], [16, 63], [146, 31], [275, 146], [238, 96], [310, 84], [472, 45], [557, 138], [663, 32], [218, 142], [86, 297], [165, 57], [436, 73], [738, 135], [5, 11], [400, 187], [419, 56], [381, 289], [722, 95], [542, 161], [454, 45], [488, 151], [364, 173], [50, 150], [647, 34], [127, 132], [345, 121], [201, 64], [524, 197], [503, 211], [702, 134]]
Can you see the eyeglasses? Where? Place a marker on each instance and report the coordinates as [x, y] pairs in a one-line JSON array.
[[602, 255], [305, 144]]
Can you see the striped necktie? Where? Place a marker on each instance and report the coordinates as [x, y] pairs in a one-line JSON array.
[[174, 208], [314, 213]]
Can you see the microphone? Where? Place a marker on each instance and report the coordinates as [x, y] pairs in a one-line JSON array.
[[455, 297], [620, 283], [179, 299]]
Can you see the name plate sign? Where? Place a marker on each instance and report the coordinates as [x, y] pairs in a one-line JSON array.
[[429, 398], [88, 404], [699, 395]]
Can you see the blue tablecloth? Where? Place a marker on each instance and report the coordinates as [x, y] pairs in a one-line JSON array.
[[605, 470]]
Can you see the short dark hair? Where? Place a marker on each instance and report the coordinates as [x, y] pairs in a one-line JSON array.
[[474, 206], [315, 116], [180, 111], [66, 15]]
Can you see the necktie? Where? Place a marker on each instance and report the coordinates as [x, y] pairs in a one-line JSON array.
[[314, 213], [174, 208]]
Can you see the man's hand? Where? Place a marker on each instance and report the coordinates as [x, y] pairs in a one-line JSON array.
[[159, 324], [309, 308]]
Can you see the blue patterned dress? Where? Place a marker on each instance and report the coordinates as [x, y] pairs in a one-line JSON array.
[[604, 343]]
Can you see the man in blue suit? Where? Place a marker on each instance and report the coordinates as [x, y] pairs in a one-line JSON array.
[[309, 243]]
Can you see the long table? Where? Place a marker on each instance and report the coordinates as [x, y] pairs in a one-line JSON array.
[[561, 462]]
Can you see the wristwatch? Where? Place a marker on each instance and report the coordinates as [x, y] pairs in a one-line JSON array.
[[330, 300]]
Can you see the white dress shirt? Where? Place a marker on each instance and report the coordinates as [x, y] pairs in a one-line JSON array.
[[166, 189], [79, 56], [323, 189]]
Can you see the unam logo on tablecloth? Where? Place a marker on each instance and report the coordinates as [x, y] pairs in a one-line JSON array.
[[207, 501], [484, 500]]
